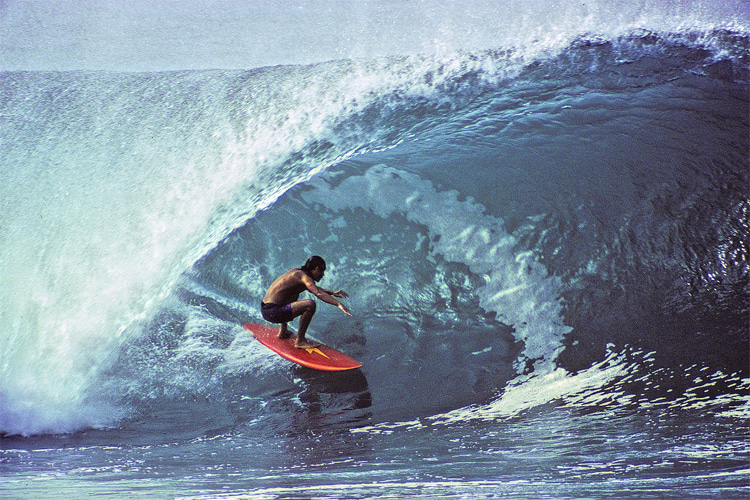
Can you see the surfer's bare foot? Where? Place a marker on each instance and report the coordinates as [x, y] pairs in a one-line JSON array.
[[304, 344], [284, 333]]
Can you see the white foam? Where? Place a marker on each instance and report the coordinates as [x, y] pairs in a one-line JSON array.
[[532, 391], [526, 393], [97, 225]]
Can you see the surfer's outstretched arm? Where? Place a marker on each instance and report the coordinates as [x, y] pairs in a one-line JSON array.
[[327, 296], [337, 293]]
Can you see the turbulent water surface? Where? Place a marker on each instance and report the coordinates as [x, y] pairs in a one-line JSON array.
[[545, 243]]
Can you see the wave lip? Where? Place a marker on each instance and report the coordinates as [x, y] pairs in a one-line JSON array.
[[306, 33]]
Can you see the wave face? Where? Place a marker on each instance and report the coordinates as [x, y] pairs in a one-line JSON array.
[[513, 229]]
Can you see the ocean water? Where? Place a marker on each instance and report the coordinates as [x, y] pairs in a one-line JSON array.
[[544, 233]]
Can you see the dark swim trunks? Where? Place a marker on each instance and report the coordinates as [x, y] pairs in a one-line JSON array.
[[276, 313]]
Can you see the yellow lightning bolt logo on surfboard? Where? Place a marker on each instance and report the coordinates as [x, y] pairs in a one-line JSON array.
[[315, 349]]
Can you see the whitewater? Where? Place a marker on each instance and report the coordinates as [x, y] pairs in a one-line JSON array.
[[541, 215]]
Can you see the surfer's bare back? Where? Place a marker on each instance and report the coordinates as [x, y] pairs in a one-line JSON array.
[[281, 304]]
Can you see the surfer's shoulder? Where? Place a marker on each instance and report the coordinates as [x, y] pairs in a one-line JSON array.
[[295, 274]]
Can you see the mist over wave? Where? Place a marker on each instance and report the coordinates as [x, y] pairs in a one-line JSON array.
[[520, 208], [233, 34]]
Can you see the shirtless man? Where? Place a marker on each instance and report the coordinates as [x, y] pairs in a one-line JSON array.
[[281, 303]]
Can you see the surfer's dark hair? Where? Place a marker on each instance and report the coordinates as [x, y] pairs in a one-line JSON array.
[[312, 263]]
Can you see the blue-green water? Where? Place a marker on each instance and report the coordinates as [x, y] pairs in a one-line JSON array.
[[547, 261]]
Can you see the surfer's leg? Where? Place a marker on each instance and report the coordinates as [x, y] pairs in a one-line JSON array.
[[278, 314], [306, 310]]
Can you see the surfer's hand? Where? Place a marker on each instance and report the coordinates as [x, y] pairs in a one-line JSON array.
[[343, 308], [340, 293]]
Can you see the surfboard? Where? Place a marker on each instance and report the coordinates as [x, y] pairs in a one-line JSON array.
[[319, 358]]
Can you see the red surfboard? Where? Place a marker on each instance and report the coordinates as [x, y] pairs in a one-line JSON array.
[[319, 358]]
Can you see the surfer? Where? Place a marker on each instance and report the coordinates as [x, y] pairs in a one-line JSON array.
[[281, 303]]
